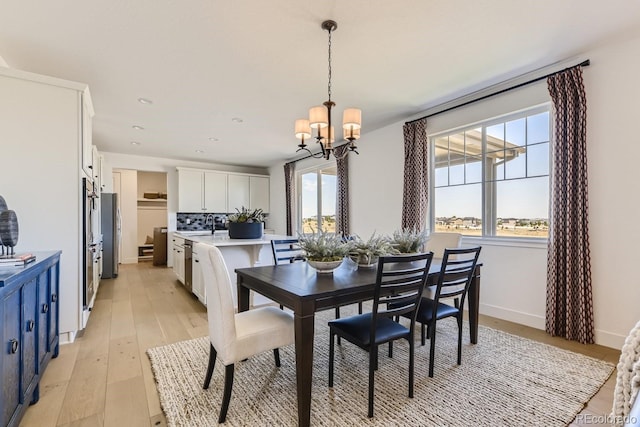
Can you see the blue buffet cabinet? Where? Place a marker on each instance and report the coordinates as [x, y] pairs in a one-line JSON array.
[[29, 331]]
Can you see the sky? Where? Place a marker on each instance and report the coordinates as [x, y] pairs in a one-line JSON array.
[[310, 194]]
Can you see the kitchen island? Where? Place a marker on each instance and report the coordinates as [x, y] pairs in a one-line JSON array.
[[237, 253]]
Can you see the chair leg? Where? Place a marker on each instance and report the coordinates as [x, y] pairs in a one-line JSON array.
[[422, 334], [432, 349], [331, 348], [212, 364], [390, 349], [459, 339], [375, 355], [411, 365], [276, 355], [228, 385], [373, 364], [360, 308], [337, 317]]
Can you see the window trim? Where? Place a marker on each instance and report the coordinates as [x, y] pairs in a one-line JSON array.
[[489, 211]]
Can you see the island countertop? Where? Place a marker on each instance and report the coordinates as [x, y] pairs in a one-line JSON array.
[[222, 239]]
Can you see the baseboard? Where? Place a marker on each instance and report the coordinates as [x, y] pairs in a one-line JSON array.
[[604, 338], [527, 319]]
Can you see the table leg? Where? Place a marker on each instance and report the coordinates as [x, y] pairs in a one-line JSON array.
[[474, 303], [304, 366], [243, 296]]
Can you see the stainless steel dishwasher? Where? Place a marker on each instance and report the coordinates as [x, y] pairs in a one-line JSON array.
[[188, 268]]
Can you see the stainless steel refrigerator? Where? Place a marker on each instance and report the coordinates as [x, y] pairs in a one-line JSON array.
[[111, 234]]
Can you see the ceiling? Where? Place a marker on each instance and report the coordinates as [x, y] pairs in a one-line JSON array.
[[205, 62]]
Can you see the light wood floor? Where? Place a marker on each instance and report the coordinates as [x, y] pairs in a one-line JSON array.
[[104, 378]]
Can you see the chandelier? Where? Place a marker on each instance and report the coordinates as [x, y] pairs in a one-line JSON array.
[[320, 119]]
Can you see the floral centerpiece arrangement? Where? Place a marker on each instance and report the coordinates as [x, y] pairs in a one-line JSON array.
[[324, 251], [246, 223], [366, 252], [409, 240]]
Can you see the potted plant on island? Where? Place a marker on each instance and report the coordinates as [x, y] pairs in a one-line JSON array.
[[409, 240], [366, 253], [324, 251], [246, 224]]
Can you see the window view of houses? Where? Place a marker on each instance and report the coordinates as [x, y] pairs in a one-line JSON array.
[[507, 227]]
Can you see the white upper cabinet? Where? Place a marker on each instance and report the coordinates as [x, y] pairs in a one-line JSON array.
[[221, 192], [190, 190], [238, 192], [259, 192], [215, 192]]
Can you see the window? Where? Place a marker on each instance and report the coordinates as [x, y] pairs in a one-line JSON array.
[[317, 199], [492, 178]]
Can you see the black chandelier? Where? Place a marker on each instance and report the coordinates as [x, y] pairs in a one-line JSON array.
[[320, 119]]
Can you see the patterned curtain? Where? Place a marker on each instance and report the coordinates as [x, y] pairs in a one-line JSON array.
[[416, 175], [569, 297], [289, 176], [342, 190]]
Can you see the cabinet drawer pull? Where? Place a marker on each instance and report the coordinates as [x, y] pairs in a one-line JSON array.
[[54, 297], [196, 260], [14, 345], [45, 308], [30, 325]]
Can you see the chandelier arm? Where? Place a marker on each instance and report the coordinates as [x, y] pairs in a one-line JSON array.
[[314, 155]]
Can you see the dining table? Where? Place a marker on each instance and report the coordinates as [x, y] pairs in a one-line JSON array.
[[299, 287]]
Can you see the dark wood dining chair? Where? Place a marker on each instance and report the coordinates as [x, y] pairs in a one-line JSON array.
[[287, 251], [456, 274], [400, 281]]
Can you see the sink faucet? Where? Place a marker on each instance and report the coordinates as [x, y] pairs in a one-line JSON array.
[[208, 218]]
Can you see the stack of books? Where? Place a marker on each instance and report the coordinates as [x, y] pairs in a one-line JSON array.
[[17, 260]]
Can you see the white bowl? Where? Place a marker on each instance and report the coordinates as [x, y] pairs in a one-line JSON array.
[[325, 266]]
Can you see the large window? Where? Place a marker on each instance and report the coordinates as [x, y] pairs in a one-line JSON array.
[[492, 178], [317, 199]]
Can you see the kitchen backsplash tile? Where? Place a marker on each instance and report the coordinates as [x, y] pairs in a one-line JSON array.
[[196, 221]]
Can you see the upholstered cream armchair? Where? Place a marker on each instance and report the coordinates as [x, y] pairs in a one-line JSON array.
[[438, 242], [237, 336]]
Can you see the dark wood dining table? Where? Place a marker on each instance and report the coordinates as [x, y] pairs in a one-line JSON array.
[[300, 288]]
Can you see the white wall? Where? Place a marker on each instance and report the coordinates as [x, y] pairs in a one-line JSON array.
[[514, 277]]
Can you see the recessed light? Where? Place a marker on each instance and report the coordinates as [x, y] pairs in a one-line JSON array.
[[237, 120], [212, 139], [199, 151], [135, 143], [136, 127], [145, 101]]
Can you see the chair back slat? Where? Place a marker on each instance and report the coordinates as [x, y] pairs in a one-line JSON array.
[[456, 273], [286, 251], [400, 281]]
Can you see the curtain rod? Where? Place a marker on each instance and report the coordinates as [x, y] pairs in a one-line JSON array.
[[584, 63]]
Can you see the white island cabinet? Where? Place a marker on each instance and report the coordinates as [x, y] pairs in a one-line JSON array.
[[237, 253]]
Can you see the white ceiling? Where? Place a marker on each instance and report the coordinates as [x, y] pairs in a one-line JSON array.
[[204, 62]]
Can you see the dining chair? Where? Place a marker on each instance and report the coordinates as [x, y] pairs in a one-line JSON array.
[[288, 251], [237, 336], [456, 274], [399, 283], [437, 243]]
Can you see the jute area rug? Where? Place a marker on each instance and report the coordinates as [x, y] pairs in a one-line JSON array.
[[504, 380]]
